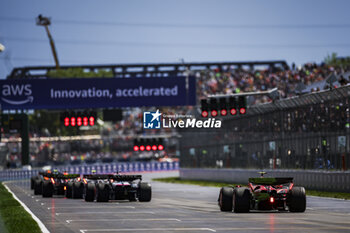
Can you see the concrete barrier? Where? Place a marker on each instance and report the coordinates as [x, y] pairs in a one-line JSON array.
[[100, 168], [311, 179]]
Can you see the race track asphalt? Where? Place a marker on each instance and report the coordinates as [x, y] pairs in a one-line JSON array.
[[178, 208]]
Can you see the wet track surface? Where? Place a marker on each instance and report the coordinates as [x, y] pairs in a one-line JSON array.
[[178, 208]]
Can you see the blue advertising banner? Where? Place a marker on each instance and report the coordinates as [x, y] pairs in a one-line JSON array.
[[96, 93]]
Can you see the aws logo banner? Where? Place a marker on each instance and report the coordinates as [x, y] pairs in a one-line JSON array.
[[90, 93], [77, 93], [17, 94]]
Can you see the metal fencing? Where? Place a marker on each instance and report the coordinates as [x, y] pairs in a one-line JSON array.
[[100, 168], [314, 180], [306, 132]]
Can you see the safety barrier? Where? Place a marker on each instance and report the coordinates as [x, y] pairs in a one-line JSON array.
[[100, 168], [310, 179]]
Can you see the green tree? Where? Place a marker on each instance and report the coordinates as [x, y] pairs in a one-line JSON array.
[[79, 73], [334, 60]]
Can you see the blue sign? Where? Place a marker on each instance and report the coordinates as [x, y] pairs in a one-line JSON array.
[[96, 93], [151, 120]]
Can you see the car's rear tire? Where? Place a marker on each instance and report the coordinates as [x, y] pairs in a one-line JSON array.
[[69, 189], [32, 181], [145, 192], [241, 200], [90, 192], [38, 189], [102, 192], [78, 190], [225, 198], [297, 199], [47, 188]]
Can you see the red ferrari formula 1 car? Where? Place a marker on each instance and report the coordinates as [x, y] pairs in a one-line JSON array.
[[263, 194]]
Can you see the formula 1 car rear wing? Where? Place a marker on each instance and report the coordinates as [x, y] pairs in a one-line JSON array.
[[271, 181], [59, 175], [127, 178]]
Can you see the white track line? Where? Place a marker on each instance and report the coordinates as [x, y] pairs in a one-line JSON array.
[[41, 225], [148, 229], [330, 198], [126, 219], [327, 207], [114, 213], [91, 207]]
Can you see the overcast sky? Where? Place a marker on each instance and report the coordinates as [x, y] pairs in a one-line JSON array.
[[159, 31]]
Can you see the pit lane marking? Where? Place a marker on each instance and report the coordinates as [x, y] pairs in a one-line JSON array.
[[148, 229], [114, 220], [114, 213]]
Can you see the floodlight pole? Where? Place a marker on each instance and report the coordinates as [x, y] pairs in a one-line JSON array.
[[45, 21], [52, 43], [187, 81]]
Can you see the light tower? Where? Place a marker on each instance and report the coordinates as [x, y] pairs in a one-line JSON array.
[[45, 21]]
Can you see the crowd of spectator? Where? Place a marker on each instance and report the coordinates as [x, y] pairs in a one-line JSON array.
[[333, 116], [328, 117], [286, 80], [235, 80]]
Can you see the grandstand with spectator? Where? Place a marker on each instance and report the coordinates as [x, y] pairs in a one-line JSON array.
[[216, 78]]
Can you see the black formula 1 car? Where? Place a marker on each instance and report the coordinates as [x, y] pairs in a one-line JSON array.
[[49, 183], [263, 194], [33, 180], [105, 187], [75, 188]]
